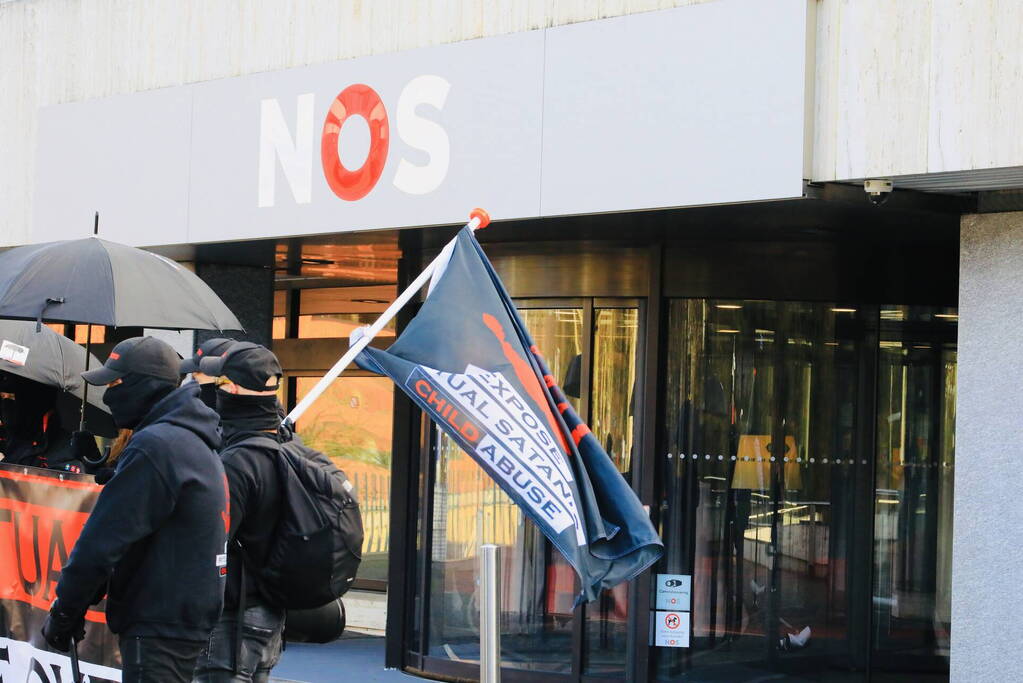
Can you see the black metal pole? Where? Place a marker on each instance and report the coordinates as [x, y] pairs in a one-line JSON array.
[[88, 347], [85, 385], [76, 669]]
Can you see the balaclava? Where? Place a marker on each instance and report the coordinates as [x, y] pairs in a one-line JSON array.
[[23, 416], [247, 413], [132, 399], [208, 394]]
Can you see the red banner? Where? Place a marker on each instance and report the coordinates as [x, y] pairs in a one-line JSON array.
[[42, 513]]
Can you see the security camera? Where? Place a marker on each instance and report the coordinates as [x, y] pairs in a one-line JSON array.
[[878, 191]]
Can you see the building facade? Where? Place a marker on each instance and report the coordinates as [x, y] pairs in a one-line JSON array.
[[680, 213]]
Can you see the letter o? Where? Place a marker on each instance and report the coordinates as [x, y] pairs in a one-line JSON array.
[[355, 100]]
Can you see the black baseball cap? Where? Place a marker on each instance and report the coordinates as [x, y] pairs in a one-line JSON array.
[[246, 364], [209, 348], [141, 355]]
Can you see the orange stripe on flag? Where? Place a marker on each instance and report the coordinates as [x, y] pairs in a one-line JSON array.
[[579, 432], [549, 380]]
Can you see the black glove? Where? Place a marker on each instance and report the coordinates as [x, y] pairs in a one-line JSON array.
[[85, 449], [103, 475], [60, 627]]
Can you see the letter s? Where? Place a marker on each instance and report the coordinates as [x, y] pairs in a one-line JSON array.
[[423, 134]]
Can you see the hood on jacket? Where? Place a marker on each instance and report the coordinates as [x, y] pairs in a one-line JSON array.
[[183, 408]]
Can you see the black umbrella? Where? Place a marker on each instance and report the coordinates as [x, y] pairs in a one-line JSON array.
[[105, 283], [97, 282], [56, 361]]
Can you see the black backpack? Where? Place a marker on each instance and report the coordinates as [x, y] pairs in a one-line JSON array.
[[317, 545]]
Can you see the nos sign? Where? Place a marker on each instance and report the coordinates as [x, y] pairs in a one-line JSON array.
[[356, 104]]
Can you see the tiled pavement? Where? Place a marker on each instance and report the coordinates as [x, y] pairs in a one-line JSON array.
[[355, 657]]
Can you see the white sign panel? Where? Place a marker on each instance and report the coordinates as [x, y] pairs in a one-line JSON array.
[[693, 105], [671, 629], [673, 591], [20, 661], [16, 354], [699, 105]]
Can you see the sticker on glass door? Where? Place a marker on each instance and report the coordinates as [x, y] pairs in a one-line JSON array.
[[671, 629], [673, 591]]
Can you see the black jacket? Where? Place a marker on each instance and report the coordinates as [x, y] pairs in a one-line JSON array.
[[51, 448], [159, 529], [255, 506]]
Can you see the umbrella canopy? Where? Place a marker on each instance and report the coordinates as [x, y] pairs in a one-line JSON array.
[[105, 283], [54, 360]]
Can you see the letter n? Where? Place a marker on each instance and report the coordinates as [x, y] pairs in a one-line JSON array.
[[295, 154]]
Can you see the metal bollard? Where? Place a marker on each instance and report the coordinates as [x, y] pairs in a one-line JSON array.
[[490, 632]]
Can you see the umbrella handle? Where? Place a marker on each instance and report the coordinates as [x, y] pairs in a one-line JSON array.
[[49, 301]]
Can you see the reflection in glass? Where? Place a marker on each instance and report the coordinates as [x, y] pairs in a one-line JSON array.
[[337, 311], [764, 530], [351, 423], [339, 325], [913, 506], [280, 317], [538, 586], [614, 381], [612, 409]]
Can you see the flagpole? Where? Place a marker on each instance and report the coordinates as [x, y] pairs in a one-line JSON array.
[[478, 219]]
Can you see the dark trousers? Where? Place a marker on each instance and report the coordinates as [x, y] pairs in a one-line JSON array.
[[158, 660], [222, 661]]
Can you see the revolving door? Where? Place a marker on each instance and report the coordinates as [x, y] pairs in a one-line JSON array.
[[806, 489]]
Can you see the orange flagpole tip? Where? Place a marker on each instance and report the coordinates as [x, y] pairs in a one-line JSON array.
[[482, 215]]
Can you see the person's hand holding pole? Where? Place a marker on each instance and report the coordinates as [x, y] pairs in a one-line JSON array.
[[61, 628]]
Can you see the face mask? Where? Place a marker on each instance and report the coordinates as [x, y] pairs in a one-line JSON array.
[[243, 412], [134, 397], [23, 415], [208, 394]]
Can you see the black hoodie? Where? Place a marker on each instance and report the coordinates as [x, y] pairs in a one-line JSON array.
[[158, 531], [254, 485]]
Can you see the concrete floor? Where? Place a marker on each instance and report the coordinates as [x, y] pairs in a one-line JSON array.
[[356, 657]]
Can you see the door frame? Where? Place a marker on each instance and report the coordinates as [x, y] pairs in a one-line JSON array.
[[647, 380]]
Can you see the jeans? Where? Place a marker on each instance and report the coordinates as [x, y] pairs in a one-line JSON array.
[[262, 632], [147, 659]]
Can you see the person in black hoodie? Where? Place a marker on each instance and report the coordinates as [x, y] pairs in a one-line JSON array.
[[246, 643], [32, 433], [156, 539]]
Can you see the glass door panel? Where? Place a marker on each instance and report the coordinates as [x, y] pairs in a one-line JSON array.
[[538, 587], [591, 352], [352, 425], [913, 504], [757, 486], [613, 403], [611, 418]]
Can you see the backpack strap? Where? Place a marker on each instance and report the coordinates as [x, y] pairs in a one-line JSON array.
[[265, 442], [263, 439]]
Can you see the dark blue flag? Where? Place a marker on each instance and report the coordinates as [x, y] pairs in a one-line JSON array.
[[468, 361]]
